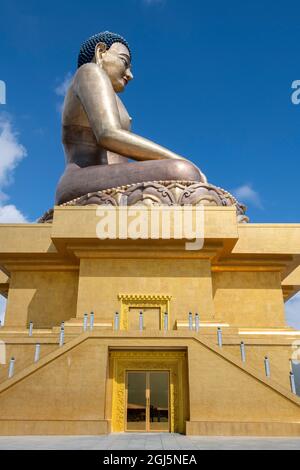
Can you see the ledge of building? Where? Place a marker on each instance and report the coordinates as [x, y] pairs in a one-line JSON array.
[[229, 246]]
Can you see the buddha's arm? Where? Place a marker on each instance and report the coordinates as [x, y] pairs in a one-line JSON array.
[[93, 88]]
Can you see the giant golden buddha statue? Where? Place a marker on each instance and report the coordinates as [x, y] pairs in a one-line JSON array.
[[96, 131], [106, 163]]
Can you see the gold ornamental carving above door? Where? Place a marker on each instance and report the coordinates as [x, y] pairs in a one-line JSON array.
[[144, 301]]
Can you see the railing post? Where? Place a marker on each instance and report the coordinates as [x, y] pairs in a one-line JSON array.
[[267, 367], [243, 351], [117, 322], [11, 368], [37, 352], [190, 321], [197, 322], [166, 322], [30, 328], [62, 334], [292, 382], [220, 339], [141, 321], [92, 320], [85, 321]]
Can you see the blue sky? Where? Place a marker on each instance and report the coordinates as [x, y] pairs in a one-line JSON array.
[[212, 82]]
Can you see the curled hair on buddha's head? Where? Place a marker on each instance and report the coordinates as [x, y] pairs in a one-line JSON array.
[[87, 50]]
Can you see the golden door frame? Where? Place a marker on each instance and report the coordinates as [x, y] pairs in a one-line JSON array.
[[141, 360], [144, 301], [147, 372]]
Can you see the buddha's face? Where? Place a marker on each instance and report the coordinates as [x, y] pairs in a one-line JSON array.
[[116, 63]]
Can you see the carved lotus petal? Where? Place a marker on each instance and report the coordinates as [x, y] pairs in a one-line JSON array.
[[200, 194], [100, 198], [152, 191], [159, 193]]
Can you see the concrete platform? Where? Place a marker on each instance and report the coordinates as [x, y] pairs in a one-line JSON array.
[[132, 441]]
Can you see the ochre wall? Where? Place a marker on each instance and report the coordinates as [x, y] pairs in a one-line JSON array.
[[244, 299], [249, 299], [187, 281], [72, 387], [23, 355], [279, 354], [279, 358], [68, 393], [44, 297], [223, 392]]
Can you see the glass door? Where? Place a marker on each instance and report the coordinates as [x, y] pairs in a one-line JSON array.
[[159, 401], [136, 401], [147, 401]]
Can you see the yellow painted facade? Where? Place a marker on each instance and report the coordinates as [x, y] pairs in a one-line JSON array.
[[238, 281]]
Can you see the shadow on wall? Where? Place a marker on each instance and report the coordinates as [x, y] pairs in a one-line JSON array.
[[51, 297]]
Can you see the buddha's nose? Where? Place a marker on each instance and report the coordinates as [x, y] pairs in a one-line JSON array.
[[129, 75]]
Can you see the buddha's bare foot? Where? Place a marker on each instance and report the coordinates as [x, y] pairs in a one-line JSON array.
[[77, 181]]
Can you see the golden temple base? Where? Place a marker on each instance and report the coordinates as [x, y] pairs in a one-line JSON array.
[[238, 282]]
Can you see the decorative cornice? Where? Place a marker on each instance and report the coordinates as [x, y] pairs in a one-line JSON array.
[[144, 297]]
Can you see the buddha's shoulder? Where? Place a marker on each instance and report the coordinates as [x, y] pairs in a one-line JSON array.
[[90, 69]]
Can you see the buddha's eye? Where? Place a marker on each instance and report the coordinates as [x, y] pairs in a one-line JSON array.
[[124, 61]]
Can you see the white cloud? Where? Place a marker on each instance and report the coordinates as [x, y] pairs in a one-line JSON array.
[[292, 311], [246, 194], [11, 153], [62, 88], [2, 308], [9, 214]]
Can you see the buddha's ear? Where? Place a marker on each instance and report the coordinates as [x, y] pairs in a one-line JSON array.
[[99, 51]]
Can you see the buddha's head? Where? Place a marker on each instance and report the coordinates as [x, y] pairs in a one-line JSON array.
[[111, 52]]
